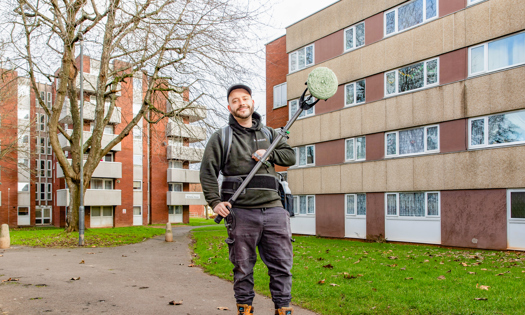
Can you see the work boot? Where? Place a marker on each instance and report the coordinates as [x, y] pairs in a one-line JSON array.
[[244, 309], [284, 311]]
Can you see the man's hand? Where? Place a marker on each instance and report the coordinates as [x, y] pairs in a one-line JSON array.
[[258, 154], [221, 209]]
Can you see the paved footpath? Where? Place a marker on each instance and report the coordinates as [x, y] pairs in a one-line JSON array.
[[133, 279]]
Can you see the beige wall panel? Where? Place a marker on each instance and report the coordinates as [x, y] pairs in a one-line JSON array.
[[295, 83], [352, 177], [507, 165], [399, 111], [312, 130], [374, 176], [312, 180], [428, 106], [477, 94], [373, 57], [348, 67], [331, 126], [400, 174], [369, 8], [428, 41], [393, 3], [453, 101], [296, 133], [449, 170], [507, 90], [303, 32], [506, 16], [399, 49], [374, 117], [429, 172], [477, 22], [331, 179], [460, 29], [479, 169], [448, 32], [351, 121], [295, 180]]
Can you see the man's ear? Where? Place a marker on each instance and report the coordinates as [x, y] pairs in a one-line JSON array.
[[229, 108]]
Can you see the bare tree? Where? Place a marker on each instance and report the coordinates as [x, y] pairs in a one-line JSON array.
[[171, 45]]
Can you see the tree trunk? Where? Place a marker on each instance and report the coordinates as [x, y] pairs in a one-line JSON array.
[[74, 204]]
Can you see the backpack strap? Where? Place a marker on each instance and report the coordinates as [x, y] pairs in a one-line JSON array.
[[226, 143], [267, 133]]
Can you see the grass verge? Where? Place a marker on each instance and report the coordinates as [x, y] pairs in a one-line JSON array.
[[56, 237], [193, 222], [333, 276]]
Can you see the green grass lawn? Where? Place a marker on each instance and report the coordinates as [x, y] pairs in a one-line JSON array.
[[105, 237], [193, 222], [332, 276]]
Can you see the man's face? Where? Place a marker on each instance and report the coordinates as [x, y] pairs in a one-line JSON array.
[[240, 104]]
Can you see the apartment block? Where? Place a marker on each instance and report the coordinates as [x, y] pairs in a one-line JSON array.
[[144, 179], [423, 141]]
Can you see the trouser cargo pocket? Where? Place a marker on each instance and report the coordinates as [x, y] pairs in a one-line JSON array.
[[231, 251]]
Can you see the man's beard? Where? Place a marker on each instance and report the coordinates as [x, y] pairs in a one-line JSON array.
[[243, 116]]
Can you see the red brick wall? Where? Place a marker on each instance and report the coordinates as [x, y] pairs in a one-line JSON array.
[[276, 71]]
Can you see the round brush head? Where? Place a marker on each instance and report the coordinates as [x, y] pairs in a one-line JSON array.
[[322, 83]]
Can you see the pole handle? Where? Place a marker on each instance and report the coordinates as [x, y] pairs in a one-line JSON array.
[[219, 217]]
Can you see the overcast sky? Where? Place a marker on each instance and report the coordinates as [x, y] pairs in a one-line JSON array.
[[285, 13]]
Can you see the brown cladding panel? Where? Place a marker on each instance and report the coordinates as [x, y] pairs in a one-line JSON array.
[[451, 6], [334, 103], [375, 215], [375, 146], [474, 218], [330, 152], [375, 87], [453, 136], [453, 66], [329, 47], [330, 215], [374, 29]]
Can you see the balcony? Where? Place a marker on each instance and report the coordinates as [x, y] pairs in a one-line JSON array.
[[193, 133], [193, 155], [185, 198], [183, 176], [65, 145], [89, 113], [103, 170], [90, 83], [93, 197], [194, 111]]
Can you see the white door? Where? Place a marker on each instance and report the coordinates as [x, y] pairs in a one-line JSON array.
[[175, 214], [101, 216], [516, 219], [42, 215], [23, 216], [137, 215], [355, 216]]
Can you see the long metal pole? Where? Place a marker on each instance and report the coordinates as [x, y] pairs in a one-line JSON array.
[[81, 207]]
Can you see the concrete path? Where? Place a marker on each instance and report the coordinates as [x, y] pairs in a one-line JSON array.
[[134, 279]]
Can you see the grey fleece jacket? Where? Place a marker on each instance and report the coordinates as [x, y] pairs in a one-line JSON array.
[[245, 141]]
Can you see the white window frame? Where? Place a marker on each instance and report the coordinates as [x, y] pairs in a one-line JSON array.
[[172, 164], [355, 159], [280, 87], [295, 55], [104, 180], [298, 158], [426, 216], [176, 184], [509, 204], [37, 191], [486, 133], [42, 170], [42, 122], [297, 204], [471, 2], [23, 184], [137, 158], [304, 114], [137, 133], [425, 150], [43, 192], [42, 145], [49, 149], [355, 215], [486, 58], [353, 28], [396, 10], [425, 84], [137, 189], [354, 103], [49, 170], [49, 193]]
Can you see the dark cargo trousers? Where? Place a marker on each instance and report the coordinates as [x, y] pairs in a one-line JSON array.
[[269, 230]]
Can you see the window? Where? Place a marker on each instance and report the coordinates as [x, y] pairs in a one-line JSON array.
[[137, 133], [294, 106], [409, 15], [23, 186], [42, 191], [473, 1], [413, 204], [43, 97], [23, 114], [497, 130], [175, 164], [177, 142], [304, 205], [137, 185], [174, 186], [24, 162], [174, 209], [99, 183], [108, 130], [414, 77], [301, 58], [49, 100], [305, 155], [42, 145], [25, 138], [49, 192], [42, 122], [496, 55], [355, 204], [355, 149], [37, 192], [517, 204], [355, 93], [107, 158], [49, 169], [137, 159], [42, 168], [49, 149], [279, 95], [355, 36], [412, 141], [137, 210]]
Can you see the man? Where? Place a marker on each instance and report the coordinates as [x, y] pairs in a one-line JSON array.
[[259, 219]]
